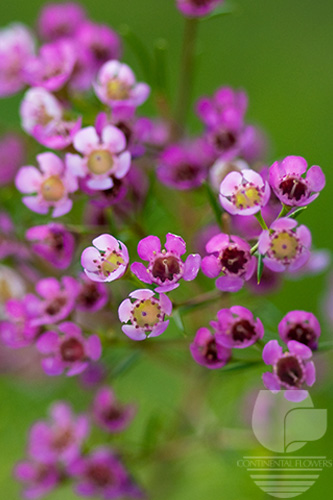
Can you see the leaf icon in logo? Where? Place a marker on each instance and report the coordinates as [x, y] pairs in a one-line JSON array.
[[303, 425]]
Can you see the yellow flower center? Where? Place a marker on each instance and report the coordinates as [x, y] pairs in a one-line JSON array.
[[100, 162], [284, 245], [117, 90], [111, 263], [147, 313], [53, 189], [247, 197]]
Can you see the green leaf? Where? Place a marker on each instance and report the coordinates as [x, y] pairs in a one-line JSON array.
[[260, 268], [297, 212], [179, 321]]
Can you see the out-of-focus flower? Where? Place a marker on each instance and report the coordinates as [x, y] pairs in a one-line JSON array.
[[197, 8], [221, 168], [231, 256], [285, 178], [207, 351], [269, 282], [107, 260], [92, 295], [109, 413], [38, 479], [116, 86], [53, 242], [60, 20], [244, 193], [12, 285], [50, 186], [302, 326], [285, 246], [236, 327], [12, 154], [17, 330], [16, 46], [165, 266], [69, 351], [145, 317], [291, 370]]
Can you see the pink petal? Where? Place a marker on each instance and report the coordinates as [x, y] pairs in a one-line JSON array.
[[316, 178], [75, 164], [48, 342], [106, 242], [295, 165], [299, 349], [270, 382], [310, 374], [166, 304], [28, 180], [159, 329], [62, 208], [141, 272], [100, 183], [34, 203], [114, 138], [52, 366], [86, 140], [125, 310], [123, 165], [284, 223], [148, 247], [211, 266], [50, 164], [296, 396], [133, 333], [192, 266], [175, 244], [217, 243], [94, 347], [142, 294], [126, 75], [230, 183], [87, 258], [48, 287], [272, 352], [229, 284], [304, 234], [140, 93]]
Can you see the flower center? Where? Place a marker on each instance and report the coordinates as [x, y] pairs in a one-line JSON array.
[[111, 263], [243, 330], [62, 439], [113, 413], [100, 474], [293, 188], [225, 139], [233, 260], [284, 245], [210, 351], [186, 172], [289, 371], [165, 268], [301, 333], [100, 162], [53, 189], [89, 295], [147, 313], [55, 306], [117, 90], [247, 197], [72, 350]]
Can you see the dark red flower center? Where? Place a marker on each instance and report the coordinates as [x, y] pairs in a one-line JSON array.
[[55, 306], [210, 351], [56, 241], [62, 439], [113, 413], [225, 140], [302, 334], [72, 350], [294, 188], [201, 3], [165, 268], [243, 330], [100, 474], [186, 172], [233, 260], [89, 295], [289, 371]]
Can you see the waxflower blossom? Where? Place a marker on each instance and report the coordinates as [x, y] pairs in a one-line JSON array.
[[226, 106], [60, 439], [107, 260], [207, 351], [293, 190], [100, 43], [50, 186], [244, 193], [16, 46], [145, 315], [301, 326], [291, 370], [60, 20], [38, 479], [92, 295], [116, 86], [197, 8], [231, 256], [165, 266], [68, 351], [221, 168], [12, 154], [17, 330], [53, 242], [236, 327], [103, 156], [109, 413], [285, 246]]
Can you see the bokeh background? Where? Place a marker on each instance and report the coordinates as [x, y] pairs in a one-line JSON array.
[[280, 52]]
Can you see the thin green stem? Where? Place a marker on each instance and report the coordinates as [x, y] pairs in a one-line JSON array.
[[261, 221], [216, 208], [284, 211]]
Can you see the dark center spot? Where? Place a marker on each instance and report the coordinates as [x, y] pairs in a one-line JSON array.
[[62, 439], [201, 3], [113, 413], [225, 140], [186, 172], [165, 268], [89, 295], [72, 350], [55, 306], [100, 474], [210, 351], [243, 330], [302, 334], [100, 52], [126, 130], [290, 371], [293, 188], [233, 259]]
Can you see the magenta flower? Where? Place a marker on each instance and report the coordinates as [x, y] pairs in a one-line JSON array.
[[38, 479], [50, 186], [227, 106], [165, 266], [61, 439], [231, 256], [244, 192], [53, 242], [236, 327], [109, 413], [116, 86], [42, 118], [16, 46], [12, 154], [57, 299], [207, 351], [69, 351], [53, 66], [285, 246], [107, 260], [145, 317], [60, 20], [103, 156], [301, 326], [17, 330], [92, 295], [197, 8], [183, 166], [291, 370], [285, 178]]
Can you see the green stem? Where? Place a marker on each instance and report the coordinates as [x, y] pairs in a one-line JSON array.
[[261, 221], [254, 248], [212, 198], [284, 211], [201, 300]]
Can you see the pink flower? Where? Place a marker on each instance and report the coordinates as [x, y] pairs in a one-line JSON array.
[[236, 327], [60, 20], [231, 256], [244, 192], [207, 351], [38, 479], [68, 351], [197, 8], [291, 370], [92, 295], [50, 186], [116, 86], [16, 46], [285, 246], [12, 154], [221, 168], [100, 42], [53, 242], [103, 156], [17, 330], [107, 260], [109, 413], [290, 187], [301, 326], [146, 315], [165, 266]]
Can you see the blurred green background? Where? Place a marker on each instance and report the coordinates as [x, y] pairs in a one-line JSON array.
[[280, 51]]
